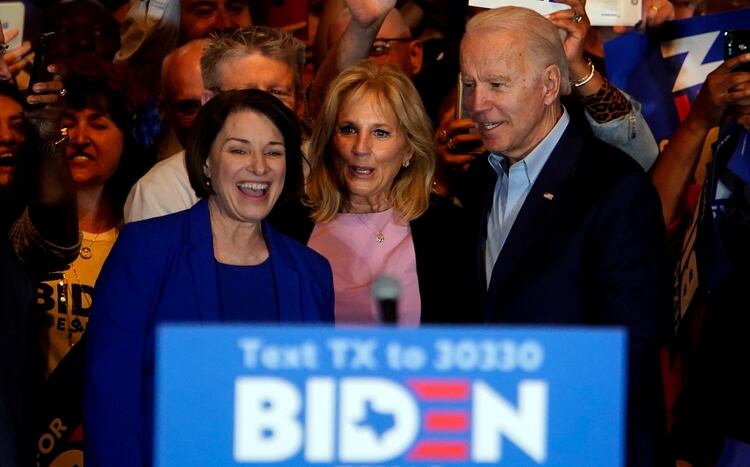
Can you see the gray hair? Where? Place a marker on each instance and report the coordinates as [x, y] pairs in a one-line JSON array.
[[540, 35], [267, 41]]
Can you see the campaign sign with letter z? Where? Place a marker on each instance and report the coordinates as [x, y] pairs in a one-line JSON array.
[[294, 395], [665, 69]]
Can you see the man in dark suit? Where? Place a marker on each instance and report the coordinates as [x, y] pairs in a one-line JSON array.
[[571, 230]]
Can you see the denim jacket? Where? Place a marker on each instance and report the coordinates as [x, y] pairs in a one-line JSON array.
[[629, 133]]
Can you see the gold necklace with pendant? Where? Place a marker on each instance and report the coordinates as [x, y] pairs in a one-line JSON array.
[[86, 252], [379, 237]]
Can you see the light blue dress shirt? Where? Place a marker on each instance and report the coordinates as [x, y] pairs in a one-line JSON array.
[[512, 185]]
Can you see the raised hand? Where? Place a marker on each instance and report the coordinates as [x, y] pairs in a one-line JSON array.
[[456, 145], [576, 24], [50, 94], [656, 12], [367, 12], [16, 59], [4, 71], [724, 88]]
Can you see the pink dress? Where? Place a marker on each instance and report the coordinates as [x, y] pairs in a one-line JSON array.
[[350, 243]]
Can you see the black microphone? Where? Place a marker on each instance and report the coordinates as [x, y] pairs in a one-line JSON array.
[[386, 290]]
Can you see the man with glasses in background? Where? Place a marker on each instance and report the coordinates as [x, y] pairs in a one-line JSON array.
[[394, 45], [366, 29]]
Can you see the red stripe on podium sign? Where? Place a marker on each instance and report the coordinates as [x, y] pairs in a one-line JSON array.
[[450, 421], [439, 450], [443, 390]]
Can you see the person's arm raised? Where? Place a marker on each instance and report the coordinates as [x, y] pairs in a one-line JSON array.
[[676, 165], [47, 235], [352, 47]]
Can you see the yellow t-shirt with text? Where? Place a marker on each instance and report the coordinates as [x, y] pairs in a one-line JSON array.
[[64, 299]]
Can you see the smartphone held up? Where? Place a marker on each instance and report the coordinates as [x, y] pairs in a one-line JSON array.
[[39, 72], [737, 42]]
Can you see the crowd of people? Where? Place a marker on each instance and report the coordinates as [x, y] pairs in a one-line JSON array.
[[184, 164]]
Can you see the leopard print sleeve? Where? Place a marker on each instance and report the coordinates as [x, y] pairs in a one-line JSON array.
[[607, 104]]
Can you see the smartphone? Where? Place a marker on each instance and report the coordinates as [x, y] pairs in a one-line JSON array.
[[737, 42], [461, 110], [461, 113], [39, 73]]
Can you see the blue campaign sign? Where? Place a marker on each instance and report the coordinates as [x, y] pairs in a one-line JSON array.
[[664, 70], [293, 395]]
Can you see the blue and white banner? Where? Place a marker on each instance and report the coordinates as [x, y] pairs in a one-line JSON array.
[[664, 70], [234, 395]]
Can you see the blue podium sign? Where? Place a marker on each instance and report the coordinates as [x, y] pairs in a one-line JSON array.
[[295, 395]]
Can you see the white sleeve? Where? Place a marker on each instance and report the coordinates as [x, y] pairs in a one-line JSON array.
[[165, 189]]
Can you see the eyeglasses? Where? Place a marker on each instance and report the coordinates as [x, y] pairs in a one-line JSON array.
[[381, 46]]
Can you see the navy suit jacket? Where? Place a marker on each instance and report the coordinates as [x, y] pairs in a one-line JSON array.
[[163, 270], [588, 247]]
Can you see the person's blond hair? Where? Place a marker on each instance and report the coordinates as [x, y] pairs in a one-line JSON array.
[[396, 95]]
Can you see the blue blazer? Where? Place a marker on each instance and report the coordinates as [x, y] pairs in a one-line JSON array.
[[163, 270], [588, 248]]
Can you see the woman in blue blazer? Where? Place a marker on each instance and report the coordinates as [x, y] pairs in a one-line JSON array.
[[218, 261]]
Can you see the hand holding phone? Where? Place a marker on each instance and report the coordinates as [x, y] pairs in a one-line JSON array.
[[457, 132], [736, 43], [456, 141], [39, 72], [45, 100]]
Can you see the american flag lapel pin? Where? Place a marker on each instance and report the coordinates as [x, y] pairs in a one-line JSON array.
[[548, 196]]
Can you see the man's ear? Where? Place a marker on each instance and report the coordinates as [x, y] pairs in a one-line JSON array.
[[206, 96], [416, 55], [551, 77]]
